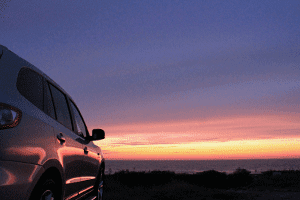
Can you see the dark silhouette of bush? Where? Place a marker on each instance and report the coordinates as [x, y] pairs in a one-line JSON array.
[[160, 177], [212, 179], [239, 178], [143, 178], [282, 179], [188, 178], [290, 178]]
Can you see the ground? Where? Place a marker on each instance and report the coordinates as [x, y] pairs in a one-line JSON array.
[[175, 189]]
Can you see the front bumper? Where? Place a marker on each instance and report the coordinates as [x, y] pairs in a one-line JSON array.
[[17, 179]]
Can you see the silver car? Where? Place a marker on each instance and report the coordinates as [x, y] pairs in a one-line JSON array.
[[46, 151]]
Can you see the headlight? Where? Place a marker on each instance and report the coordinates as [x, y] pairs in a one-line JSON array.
[[9, 116]]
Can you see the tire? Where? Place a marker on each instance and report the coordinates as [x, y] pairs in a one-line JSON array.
[[99, 186], [45, 190]]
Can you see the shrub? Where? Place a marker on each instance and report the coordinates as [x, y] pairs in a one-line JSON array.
[[143, 178], [286, 178], [240, 177], [189, 178], [212, 179]]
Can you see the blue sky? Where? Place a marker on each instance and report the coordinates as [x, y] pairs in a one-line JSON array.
[[126, 62]]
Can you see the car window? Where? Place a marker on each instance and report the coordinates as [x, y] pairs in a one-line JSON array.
[[48, 103], [30, 85], [61, 107], [81, 128]]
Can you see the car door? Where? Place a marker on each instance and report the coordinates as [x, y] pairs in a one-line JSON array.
[[69, 145], [91, 159]]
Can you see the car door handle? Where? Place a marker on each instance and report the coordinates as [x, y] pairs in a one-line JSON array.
[[61, 138], [86, 151]]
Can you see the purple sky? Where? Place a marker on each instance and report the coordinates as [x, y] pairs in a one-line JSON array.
[[160, 61]]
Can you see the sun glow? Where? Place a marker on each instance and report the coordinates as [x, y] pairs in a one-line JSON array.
[[255, 137], [241, 149]]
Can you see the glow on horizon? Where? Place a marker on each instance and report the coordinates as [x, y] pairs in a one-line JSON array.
[[245, 137], [240, 149]]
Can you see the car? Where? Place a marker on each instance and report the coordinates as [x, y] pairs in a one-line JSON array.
[[46, 151]]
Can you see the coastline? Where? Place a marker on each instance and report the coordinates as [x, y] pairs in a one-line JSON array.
[[256, 166]]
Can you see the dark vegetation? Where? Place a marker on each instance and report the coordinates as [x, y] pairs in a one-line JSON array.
[[203, 185]]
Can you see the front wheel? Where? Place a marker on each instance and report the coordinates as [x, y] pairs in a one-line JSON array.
[[45, 190]]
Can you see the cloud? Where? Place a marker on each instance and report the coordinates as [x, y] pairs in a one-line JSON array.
[[211, 130]]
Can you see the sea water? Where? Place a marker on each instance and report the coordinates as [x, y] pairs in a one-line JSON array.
[[256, 166]]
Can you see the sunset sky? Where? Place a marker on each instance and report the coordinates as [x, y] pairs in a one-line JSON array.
[[170, 79]]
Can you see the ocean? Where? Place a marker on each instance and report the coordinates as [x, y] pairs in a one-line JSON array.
[[256, 166]]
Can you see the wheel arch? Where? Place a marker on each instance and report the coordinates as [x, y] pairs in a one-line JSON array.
[[53, 170]]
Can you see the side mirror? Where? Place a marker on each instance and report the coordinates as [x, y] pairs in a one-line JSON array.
[[97, 134]]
